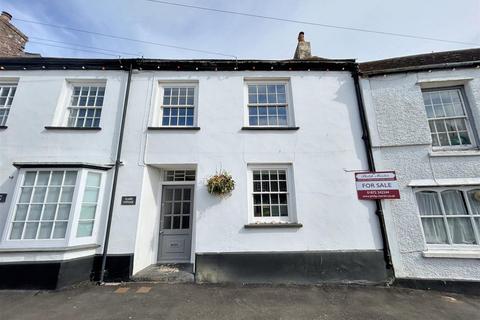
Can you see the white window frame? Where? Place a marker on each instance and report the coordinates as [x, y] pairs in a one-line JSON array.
[[157, 114], [468, 119], [63, 110], [8, 83], [291, 218], [454, 246], [71, 238], [288, 96]]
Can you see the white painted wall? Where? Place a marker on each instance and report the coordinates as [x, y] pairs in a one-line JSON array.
[[324, 149], [39, 96], [401, 140]]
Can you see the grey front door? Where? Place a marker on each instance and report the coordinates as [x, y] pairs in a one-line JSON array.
[[175, 240]]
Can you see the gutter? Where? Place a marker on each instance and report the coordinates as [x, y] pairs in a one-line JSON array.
[[371, 166], [118, 163]]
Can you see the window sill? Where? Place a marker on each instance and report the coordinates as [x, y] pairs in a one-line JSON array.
[[454, 153], [272, 128], [272, 225], [72, 128], [173, 128], [3, 127], [452, 254], [50, 249]]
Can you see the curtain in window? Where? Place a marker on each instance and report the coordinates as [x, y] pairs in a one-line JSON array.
[[434, 228], [460, 229]]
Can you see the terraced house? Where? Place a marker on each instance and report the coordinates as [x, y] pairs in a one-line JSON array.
[[424, 116], [104, 166]]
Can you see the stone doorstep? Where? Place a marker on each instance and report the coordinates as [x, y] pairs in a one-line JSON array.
[[166, 273]]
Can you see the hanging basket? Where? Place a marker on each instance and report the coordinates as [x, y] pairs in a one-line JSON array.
[[221, 183]]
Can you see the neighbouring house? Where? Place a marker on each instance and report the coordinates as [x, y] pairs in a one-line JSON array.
[[423, 114], [110, 158]]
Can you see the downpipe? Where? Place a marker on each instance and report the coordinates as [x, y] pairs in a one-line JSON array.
[[371, 166], [118, 164]]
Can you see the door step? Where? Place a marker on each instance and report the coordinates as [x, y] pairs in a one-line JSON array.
[[166, 273]]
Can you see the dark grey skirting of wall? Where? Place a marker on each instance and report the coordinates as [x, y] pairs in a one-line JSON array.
[[455, 286], [293, 267], [119, 267], [45, 275], [54, 275]]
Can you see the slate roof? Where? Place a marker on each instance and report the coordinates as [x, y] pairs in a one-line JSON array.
[[435, 60]]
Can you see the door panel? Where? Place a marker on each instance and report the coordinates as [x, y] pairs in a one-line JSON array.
[[176, 220]]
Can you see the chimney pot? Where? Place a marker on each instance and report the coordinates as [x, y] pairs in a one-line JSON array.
[[6, 15]]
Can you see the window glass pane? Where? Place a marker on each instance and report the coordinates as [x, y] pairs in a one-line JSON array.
[[25, 195], [461, 230], [185, 222], [57, 178], [21, 213], [45, 230], [70, 178], [453, 202], [35, 212], [90, 195], [29, 179], [59, 230], [85, 229], [88, 211], [428, 203], [30, 230], [67, 194], [53, 194], [474, 199], [42, 178], [434, 230], [49, 212], [17, 229], [63, 211]]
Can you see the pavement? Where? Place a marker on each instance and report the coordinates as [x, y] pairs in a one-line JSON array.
[[192, 301]]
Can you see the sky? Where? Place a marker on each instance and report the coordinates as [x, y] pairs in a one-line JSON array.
[[245, 37]]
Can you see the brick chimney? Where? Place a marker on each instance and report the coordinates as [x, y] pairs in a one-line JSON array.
[[12, 40], [303, 51]]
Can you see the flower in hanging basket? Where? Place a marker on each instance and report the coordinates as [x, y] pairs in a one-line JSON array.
[[221, 183]]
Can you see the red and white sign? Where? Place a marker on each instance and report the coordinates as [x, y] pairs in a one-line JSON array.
[[377, 185]]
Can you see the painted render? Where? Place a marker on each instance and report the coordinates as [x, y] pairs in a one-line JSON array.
[[40, 97], [323, 153], [401, 141]]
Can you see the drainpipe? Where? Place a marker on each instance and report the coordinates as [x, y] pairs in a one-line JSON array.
[[118, 163], [371, 165]]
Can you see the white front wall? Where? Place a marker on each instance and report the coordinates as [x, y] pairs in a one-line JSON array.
[[322, 154], [40, 98], [401, 141]]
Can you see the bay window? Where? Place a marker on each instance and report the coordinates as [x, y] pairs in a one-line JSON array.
[[56, 206]]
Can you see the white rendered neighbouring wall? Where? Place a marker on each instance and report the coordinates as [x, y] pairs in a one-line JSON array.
[[39, 98], [323, 153], [401, 141]]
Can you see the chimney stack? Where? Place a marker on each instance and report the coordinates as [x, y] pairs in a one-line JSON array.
[[12, 40], [303, 51]]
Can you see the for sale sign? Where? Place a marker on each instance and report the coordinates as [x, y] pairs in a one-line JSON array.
[[377, 185]]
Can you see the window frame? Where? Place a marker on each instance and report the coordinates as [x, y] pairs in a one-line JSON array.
[[157, 115], [63, 110], [292, 217], [288, 101], [470, 215], [469, 119], [71, 238], [8, 83]]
